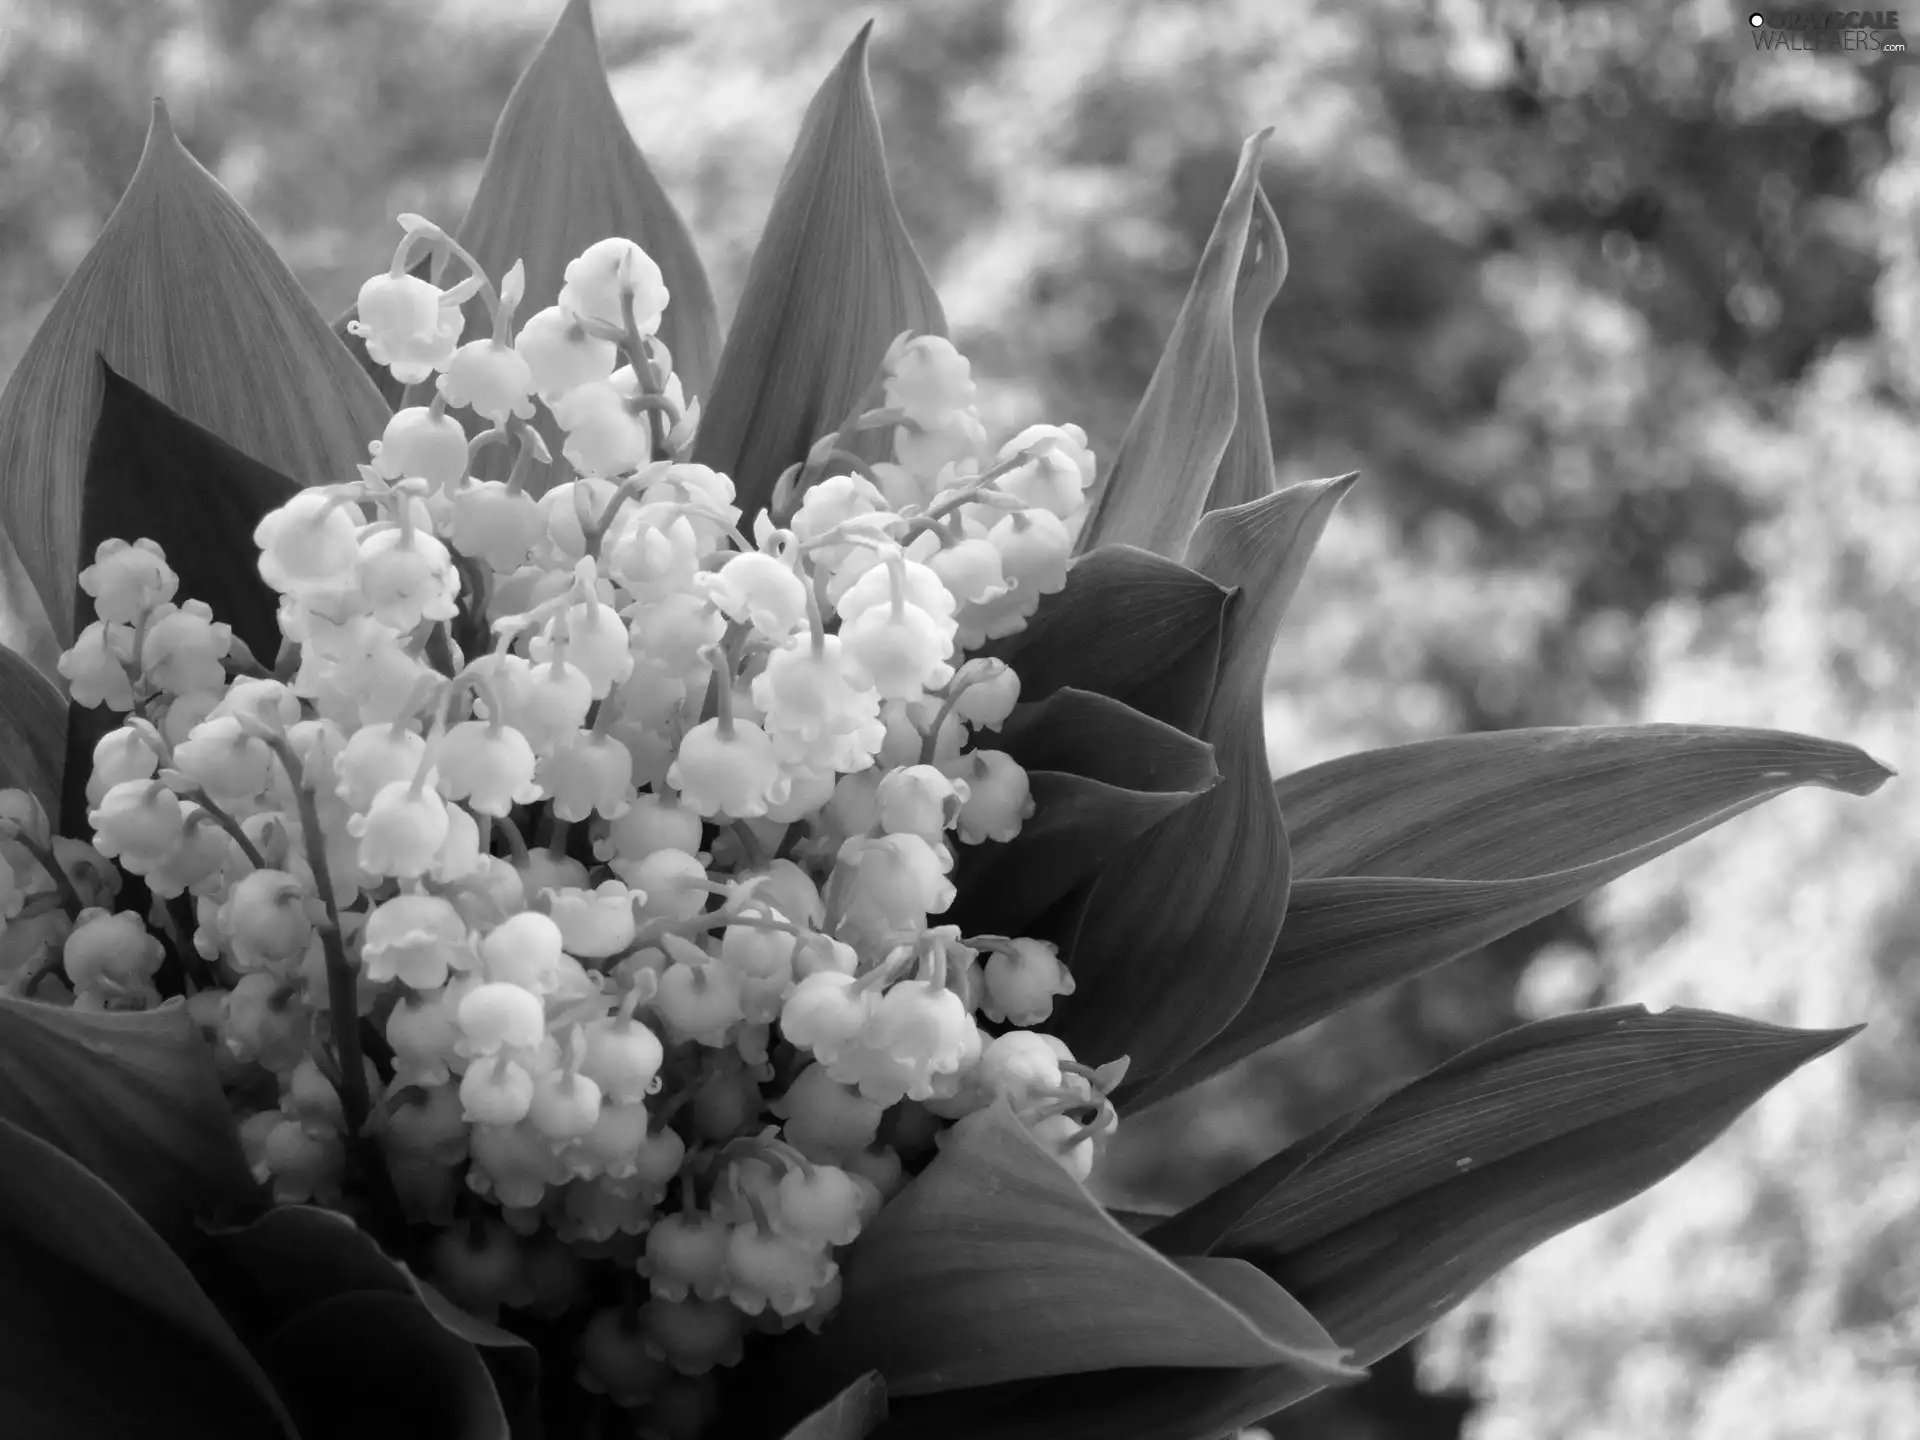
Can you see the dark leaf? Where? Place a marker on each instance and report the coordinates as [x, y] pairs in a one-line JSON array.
[[373, 1365], [132, 1096], [1181, 922], [1143, 1404], [1077, 826], [1246, 470], [1349, 935], [1156, 489], [104, 1330], [182, 295], [1078, 733], [996, 1265], [1528, 802], [153, 474], [1433, 1190], [296, 1257], [33, 730], [1131, 625], [835, 279], [1101, 775], [853, 1414]]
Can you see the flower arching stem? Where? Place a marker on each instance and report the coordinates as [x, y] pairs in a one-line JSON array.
[[227, 823], [516, 842], [343, 1007], [62, 882]]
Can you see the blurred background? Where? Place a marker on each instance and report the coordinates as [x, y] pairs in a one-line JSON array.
[[1619, 318]]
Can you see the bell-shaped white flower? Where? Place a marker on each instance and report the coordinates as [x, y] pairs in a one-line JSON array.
[[419, 441], [126, 581], [409, 325]]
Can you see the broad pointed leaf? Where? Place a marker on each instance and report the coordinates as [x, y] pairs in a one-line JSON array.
[[154, 474], [834, 280], [105, 1332], [1080, 733], [1681, 1077], [133, 1097], [1181, 923], [996, 1265], [24, 627], [1624, 796], [1146, 1404], [1131, 625], [1101, 775], [33, 730], [853, 1414], [563, 171], [183, 296], [1442, 1184], [1157, 487], [296, 1257], [409, 1377], [1246, 470], [1527, 802]]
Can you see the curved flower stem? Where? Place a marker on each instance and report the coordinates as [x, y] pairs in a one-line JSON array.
[[49, 862], [226, 822], [750, 847], [853, 462], [342, 1003], [516, 842]]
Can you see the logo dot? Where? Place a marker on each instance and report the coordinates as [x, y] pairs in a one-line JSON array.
[[1756, 19]]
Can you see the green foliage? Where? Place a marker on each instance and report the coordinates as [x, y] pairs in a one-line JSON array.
[[1545, 293]]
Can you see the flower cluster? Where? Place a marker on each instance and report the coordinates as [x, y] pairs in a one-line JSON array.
[[620, 938]]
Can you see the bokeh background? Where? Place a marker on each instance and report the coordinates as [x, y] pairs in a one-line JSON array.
[[1619, 318]]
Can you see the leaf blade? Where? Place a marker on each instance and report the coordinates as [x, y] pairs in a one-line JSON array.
[[133, 1097], [853, 1414], [1383, 1229], [1156, 489], [834, 280], [1181, 923], [1131, 625], [1246, 469], [152, 473], [411, 1376], [932, 1287], [1474, 807], [81, 1271], [1100, 774], [182, 294], [33, 730]]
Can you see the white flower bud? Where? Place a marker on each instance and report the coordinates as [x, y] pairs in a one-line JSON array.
[[560, 354], [126, 581], [408, 324], [1021, 985], [687, 1253], [494, 381], [184, 648], [95, 666], [929, 380], [733, 775], [607, 270], [266, 916], [419, 443], [416, 939]]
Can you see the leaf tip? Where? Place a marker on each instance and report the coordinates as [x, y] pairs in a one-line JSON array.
[[1822, 1042], [578, 13]]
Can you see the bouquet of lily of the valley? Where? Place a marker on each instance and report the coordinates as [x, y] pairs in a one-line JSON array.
[[587, 882]]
